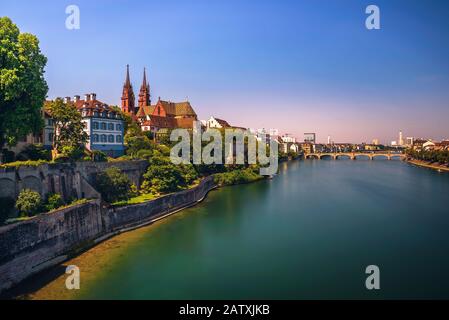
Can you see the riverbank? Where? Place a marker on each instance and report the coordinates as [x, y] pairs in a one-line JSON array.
[[231, 245], [424, 164], [29, 247]]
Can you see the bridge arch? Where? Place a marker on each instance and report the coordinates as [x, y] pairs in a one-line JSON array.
[[312, 156], [397, 157], [380, 157], [361, 156], [343, 156], [326, 156]]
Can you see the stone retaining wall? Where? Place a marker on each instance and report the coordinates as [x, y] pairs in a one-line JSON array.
[[30, 246]]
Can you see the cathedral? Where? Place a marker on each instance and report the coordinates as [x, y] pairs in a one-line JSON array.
[[158, 117]]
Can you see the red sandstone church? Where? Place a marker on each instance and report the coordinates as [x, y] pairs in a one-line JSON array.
[[161, 116]]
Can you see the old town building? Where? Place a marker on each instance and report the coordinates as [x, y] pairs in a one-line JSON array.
[[163, 115]]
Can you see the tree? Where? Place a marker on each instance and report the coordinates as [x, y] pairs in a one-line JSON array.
[[69, 129], [29, 202], [22, 84], [114, 185]]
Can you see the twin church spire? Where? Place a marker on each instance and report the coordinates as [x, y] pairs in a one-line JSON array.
[[128, 99]]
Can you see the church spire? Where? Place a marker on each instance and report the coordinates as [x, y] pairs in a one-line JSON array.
[[128, 100], [144, 94]]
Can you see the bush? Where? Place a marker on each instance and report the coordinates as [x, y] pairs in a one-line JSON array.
[[114, 185], [237, 177], [54, 201], [144, 154], [72, 153], [162, 176], [99, 156], [6, 207], [34, 152], [29, 203]]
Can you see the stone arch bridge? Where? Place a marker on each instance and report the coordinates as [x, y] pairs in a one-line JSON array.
[[355, 155]]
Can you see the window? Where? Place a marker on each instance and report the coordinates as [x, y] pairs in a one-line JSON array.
[[103, 126], [110, 138], [110, 126], [118, 127], [95, 125], [95, 138], [104, 114], [95, 113], [50, 136], [118, 139], [103, 138]]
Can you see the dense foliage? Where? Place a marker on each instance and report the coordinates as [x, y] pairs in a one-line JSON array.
[[115, 185], [67, 123], [29, 203], [34, 152], [22, 83], [163, 176], [238, 176], [439, 156], [53, 202]]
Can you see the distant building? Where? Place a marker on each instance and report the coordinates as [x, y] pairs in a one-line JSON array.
[[307, 147], [375, 142], [159, 118], [409, 141], [310, 138], [103, 124], [401, 140], [217, 123]]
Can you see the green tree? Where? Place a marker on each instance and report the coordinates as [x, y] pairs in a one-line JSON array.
[[22, 84], [69, 129], [114, 185], [29, 202]]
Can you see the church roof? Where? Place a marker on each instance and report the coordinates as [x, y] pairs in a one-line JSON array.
[[178, 108], [171, 108]]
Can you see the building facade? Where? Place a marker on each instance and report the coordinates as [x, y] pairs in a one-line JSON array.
[[103, 124]]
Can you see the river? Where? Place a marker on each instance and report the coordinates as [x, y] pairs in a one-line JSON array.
[[308, 233]]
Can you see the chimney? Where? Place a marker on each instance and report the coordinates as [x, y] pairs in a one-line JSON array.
[[93, 96], [66, 99], [86, 97], [76, 98]]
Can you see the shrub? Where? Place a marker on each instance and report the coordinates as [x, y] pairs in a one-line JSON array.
[[29, 202], [237, 177], [54, 201], [6, 207], [34, 152], [114, 185], [162, 176], [99, 156], [144, 154]]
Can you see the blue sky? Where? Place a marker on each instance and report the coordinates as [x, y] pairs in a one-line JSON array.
[[299, 66]]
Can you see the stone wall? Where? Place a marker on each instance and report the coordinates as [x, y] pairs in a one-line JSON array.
[[67, 179], [30, 246]]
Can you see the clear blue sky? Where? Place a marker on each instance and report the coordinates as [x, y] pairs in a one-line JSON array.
[[299, 66]]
